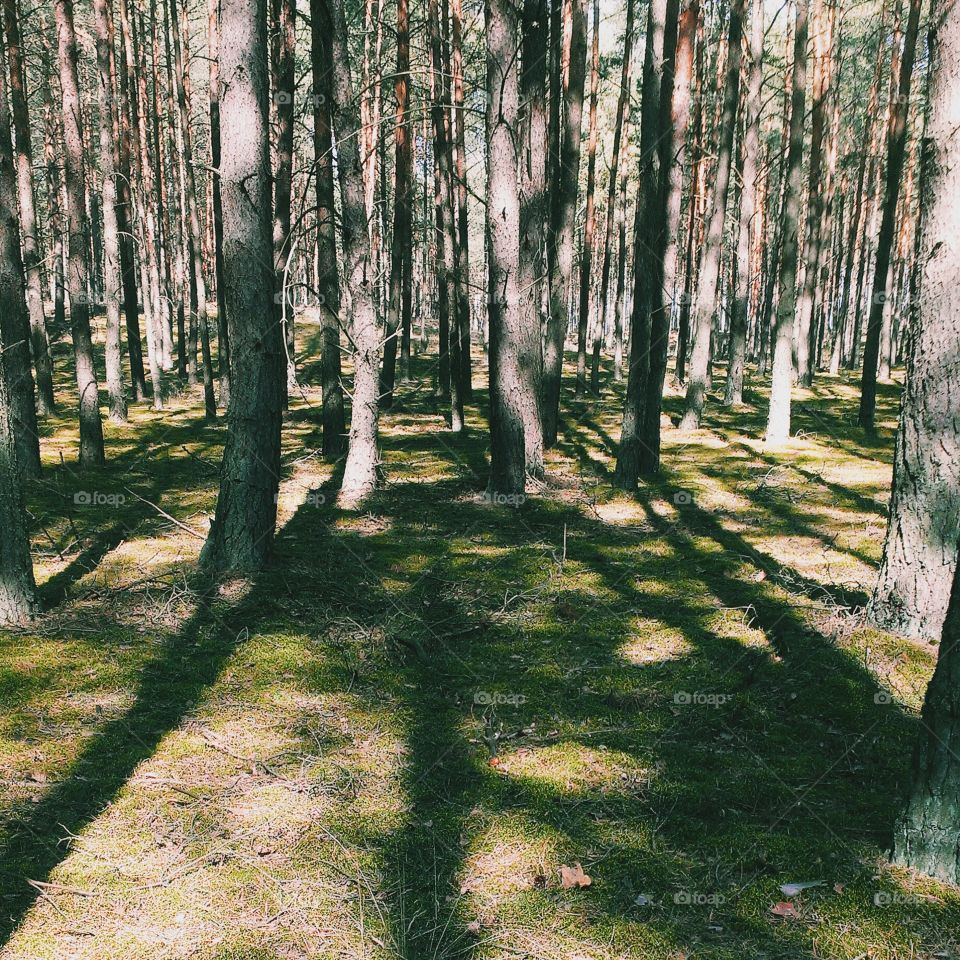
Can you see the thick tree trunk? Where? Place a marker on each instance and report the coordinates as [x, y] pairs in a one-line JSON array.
[[510, 316], [91, 429], [242, 531], [328, 283], [590, 221], [360, 471], [32, 256], [706, 299], [17, 589], [781, 383], [398, 303], [223, 327], [880, 292], [748, 207], [560, 252], [925, 511], [534, 212], [14, 317]]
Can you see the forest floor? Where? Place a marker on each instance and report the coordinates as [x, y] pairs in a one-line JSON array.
[[393, 742]]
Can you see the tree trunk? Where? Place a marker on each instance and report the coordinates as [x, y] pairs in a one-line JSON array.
[[91, 429], [328, 283], [198, 285], [398, 303], [896, 143], [534, 211], [242, 531], [284, 89], [463, 221], [748, 205], [925, 510], [589, 227], [360, 471], [32, 256], [706, 302], [510, 317], [223, 335], [113, 288], [781, 383], [560, 253], [616, 189]]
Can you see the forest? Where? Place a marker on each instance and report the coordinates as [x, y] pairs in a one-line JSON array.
[[480, 479]]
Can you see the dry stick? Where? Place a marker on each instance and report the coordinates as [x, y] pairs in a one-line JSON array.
[[164, 513]]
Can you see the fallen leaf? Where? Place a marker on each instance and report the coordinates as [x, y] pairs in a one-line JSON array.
[[38, 776], [838, 888], [784, 909], [571, 877]]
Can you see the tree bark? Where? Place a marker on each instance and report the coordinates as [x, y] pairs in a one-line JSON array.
[[706, 299], [590, 221], [880, 291], [32, 255], [328, 283], [510, 316], [91, 428], [781, 383], [113, 287], [360, 471], [243, 528], [463, 220], [560, 253]]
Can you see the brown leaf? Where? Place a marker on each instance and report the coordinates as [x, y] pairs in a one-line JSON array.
[[573, 877], [784, 909]]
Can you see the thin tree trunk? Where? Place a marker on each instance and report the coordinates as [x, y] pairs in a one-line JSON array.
[[778, 416], [223, 327], [560, 252], [706, 301], [328, 283], [463, 220], [748, 206], [91, 428], [896, 143], [589, 227], [243, 528], [113, 288], [360, 471], [32, 257]]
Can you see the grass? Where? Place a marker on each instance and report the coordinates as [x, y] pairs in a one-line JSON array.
[[389, 743]]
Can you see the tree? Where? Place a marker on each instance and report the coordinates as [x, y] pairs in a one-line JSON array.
[[113, 286], [242, 530], [17, 590], [590, 222], [534, 210], [399, 303], [705, 302], [91, 428], [328, 283], [927, 835], [30, 239], [509, 316], [563, 211], [781, 381], [896, 146], [360, 470]]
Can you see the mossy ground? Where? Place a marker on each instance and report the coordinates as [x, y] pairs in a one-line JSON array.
[[389, 743]]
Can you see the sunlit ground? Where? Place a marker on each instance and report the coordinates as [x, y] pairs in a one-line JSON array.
[[390, 743]]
